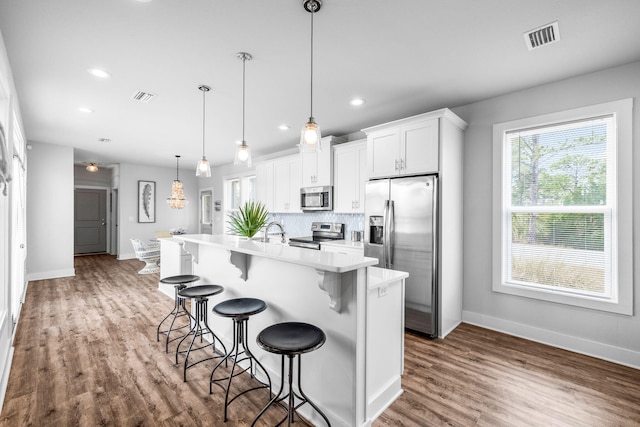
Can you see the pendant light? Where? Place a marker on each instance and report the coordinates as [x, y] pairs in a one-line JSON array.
[[203, 168], [92, 167], [177, 200], [310, 136], [243, 153]]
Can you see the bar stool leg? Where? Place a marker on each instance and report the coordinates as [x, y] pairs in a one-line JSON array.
[[240, 328], [179, 310], [198, 331], [290, 396]]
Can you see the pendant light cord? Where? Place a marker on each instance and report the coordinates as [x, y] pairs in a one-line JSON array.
[[312, 13], [204, 93], [177, 168], [244, 62]]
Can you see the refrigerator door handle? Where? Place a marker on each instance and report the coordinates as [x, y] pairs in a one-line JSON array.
[[391, 233], [385, 237]]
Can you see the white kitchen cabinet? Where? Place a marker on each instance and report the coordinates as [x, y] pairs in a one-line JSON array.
[[405, 147], [349, 176], [278, 184], [317, 167], [264, 184], [286, 184]]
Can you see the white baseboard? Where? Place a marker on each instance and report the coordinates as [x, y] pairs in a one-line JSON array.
[[124, 256], [621, 356], [4, 375], [54, 274]]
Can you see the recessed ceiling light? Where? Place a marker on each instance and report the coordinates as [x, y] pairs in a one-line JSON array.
[[85, 110], [104, 140], [284, 127], [357, 102], [97, 72]]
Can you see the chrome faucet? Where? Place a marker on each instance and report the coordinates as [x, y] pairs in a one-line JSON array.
[[266, 231]]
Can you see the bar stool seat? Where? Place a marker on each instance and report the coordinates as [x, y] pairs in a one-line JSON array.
[[291, 339], [179, 282], [201, 294], [239, 309]]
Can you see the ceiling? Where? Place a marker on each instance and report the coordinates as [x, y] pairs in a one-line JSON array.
[[404, 57]]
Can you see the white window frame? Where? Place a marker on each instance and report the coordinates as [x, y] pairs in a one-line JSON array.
[[621, 297], [244, 190]]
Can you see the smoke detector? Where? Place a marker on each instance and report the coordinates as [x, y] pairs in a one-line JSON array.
[[542, 36], [143, 96]]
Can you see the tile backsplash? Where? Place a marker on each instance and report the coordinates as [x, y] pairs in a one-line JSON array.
[[296, 225]]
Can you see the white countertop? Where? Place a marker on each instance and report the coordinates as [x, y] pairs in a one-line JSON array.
[[344, 244], [321, 260], [377, 277]]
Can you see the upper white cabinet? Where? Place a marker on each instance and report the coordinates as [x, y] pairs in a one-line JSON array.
[[404, 147], [264, 184], [349, 176], [286, 183], [317, 165], [278, 184]]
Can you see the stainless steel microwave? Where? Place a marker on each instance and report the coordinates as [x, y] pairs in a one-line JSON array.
[[316, 198]]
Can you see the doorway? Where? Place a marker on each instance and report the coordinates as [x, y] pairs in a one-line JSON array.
[[206, 211], [90, 221]]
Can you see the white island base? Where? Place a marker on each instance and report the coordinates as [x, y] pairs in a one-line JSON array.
[[356, 374]]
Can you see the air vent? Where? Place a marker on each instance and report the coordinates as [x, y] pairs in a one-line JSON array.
[[542, 36], [142, 96]]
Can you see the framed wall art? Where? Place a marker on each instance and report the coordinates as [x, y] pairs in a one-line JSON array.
[[146, 201]]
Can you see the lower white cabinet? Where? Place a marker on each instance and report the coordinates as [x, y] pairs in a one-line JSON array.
[[349, 176]]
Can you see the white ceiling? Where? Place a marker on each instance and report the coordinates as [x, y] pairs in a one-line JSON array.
[[404, 57]]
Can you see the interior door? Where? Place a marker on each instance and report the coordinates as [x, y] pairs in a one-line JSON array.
[[90, 226]]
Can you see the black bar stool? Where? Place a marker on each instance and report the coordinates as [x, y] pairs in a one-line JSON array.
[[200, 326], [179, 309], [239, 309], [291, 339]]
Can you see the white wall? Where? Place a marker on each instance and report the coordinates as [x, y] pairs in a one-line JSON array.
[[49, 211], [606, 335], [166, 218]]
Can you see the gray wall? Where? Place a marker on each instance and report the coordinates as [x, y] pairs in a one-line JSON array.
[[49, 211], [606, 335], [166, 218]]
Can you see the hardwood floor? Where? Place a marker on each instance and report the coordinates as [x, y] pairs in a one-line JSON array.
[[86, 354]]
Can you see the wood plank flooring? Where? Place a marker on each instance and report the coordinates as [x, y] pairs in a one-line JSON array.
[[86, 355]]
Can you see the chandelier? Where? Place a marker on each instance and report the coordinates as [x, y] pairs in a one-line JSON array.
[[177, 200]]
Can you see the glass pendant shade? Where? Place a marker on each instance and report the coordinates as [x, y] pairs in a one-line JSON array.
[[203, 168], [310, 136], [243, 155], [177, 199], [92, 167]]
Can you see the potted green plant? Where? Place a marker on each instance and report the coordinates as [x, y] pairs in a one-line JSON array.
[[249, 219]]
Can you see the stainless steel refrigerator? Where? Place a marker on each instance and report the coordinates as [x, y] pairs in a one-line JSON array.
[[400, 230]]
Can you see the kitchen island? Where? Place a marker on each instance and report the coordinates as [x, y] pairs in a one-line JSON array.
[[356, 374]]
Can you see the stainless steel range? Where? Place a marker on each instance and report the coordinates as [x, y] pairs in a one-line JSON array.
[[321, 232]]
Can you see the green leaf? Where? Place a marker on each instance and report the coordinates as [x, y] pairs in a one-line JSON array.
[[249, 219]]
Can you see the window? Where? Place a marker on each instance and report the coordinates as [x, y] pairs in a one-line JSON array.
[[563, 183], [239, 190]]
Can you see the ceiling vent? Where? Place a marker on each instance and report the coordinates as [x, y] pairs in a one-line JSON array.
[[142, 96], [542, 36]]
